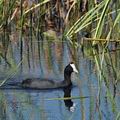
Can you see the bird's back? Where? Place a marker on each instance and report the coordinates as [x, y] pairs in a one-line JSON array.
[[40, 83]]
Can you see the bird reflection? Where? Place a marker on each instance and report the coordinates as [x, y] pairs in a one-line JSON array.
[[68, 102]]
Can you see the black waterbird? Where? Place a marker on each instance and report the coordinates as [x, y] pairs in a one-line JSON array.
[[37, 83]]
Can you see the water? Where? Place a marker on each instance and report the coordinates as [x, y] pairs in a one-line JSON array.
[[48, 61]]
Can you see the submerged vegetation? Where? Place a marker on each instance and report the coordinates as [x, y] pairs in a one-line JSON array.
[[91, 25]]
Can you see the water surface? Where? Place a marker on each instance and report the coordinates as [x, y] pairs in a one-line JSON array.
[[48, 60]]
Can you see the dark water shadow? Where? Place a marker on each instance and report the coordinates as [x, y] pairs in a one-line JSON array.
[[68, 102]]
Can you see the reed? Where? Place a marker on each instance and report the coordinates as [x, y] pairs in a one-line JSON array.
[[101, 20], [11, 73], [98, 17], [101, 17]]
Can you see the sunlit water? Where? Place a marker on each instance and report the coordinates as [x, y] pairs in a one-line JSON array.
[[48, 61]]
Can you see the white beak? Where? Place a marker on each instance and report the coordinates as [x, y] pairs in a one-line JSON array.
[[74, 68]]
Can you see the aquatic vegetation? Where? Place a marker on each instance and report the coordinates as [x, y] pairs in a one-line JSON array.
[[36, 36]]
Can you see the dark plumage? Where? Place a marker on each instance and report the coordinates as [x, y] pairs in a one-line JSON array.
[[49, 84]]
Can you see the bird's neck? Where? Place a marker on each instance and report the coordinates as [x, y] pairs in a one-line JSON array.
[[67, 78]]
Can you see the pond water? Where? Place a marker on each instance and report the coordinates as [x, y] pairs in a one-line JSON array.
[[48, 60]]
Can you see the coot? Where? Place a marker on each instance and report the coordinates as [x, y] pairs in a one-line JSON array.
[[37, 83]]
